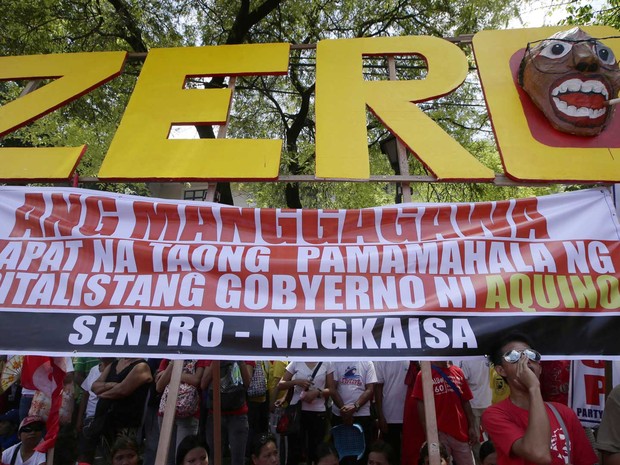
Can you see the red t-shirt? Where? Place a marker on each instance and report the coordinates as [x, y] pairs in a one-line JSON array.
[[451, 418], [505, 423], [554, 380]]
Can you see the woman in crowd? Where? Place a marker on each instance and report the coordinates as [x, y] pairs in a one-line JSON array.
[[308, 381], [192, 450], [125, 451], [187, 415], [122, 388], [265, 450]]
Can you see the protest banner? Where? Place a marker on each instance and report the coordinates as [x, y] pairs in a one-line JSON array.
[[587, 391], [589, 388], [104, 273]]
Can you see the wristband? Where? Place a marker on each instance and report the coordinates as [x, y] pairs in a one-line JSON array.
[[357, 406]]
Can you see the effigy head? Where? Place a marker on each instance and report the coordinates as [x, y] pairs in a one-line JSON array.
[[570, 76]]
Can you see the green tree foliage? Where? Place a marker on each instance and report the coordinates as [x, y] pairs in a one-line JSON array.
[[29, 27], [607, 13], [270, 107]]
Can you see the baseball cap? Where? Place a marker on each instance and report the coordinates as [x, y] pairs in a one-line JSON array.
[[29, 420], [11, 415]]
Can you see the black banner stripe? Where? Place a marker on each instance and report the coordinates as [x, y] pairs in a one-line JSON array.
[[192, 335]]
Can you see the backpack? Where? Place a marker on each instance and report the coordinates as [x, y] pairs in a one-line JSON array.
[[232, 390]]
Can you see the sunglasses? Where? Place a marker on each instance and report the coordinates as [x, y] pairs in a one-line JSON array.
[[514, 355], [30, 429]]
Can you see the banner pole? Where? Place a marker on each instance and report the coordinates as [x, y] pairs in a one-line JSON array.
[[432, 436], [169, 413]]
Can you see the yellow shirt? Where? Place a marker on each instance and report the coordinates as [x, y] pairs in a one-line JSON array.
[[499, 387], [276, 371]]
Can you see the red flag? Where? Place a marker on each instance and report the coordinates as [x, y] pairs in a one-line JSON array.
[[46, 374]]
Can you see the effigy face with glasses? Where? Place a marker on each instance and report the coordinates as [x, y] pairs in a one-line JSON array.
[[571, 77]]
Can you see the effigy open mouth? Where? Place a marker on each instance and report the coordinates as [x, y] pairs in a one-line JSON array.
[[581, 101]]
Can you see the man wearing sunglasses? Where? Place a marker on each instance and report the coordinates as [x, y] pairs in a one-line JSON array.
[[30, 433], [524, 429]]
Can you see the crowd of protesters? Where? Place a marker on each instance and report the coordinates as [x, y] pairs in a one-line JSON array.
[[486, 413]]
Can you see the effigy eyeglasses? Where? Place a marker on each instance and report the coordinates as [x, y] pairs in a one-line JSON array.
[[558, 48]]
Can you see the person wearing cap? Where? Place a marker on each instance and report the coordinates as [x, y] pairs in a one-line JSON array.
[[30, 433], [8, 429], [525, 429]]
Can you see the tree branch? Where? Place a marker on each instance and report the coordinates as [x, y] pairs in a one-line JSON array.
[[134, 34]]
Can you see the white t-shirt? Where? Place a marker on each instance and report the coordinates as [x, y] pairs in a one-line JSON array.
[[477, 374], [392, 376], [35, 459], [300, 370], [351, 380], [87, 385]]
